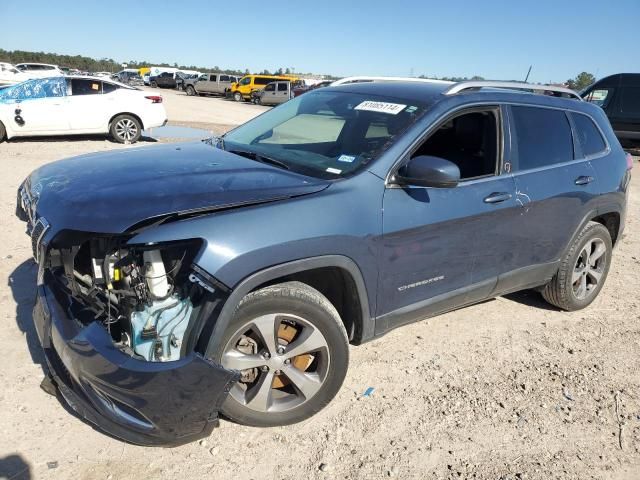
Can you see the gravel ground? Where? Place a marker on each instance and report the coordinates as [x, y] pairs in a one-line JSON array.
[[508, 389]]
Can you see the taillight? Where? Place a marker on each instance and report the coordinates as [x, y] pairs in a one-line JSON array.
[[155, 98], [629, 162]]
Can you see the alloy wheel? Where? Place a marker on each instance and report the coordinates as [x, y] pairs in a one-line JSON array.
[[589, 268], [283, 360], [126, 129]]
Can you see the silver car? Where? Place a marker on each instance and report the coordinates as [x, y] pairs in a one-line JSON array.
[[210, 84], [275, 93]]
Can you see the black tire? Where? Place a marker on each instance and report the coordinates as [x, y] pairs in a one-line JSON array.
[[154, 85], [3, 133], [561, 290], [294, 299], [125, 128], [237, 96], [190, 90]]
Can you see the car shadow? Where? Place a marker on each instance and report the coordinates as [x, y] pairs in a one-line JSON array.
[[74, 138], [531, 298], [22, 283], [14, 467]]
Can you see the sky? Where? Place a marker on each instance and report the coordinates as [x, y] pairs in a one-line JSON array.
[[493, 39]]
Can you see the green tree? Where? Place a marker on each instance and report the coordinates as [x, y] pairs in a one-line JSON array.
[[582, 81]]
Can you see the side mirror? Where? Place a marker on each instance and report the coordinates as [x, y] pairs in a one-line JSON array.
[[428, 171]]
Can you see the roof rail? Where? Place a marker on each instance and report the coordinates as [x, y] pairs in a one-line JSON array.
[[461, 86], [364, 78]]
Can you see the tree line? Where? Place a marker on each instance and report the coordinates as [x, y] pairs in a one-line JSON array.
[[88, 64]]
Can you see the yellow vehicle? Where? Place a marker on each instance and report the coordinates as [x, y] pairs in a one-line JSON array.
[[249, 83]]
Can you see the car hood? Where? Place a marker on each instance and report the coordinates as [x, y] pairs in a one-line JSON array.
[[115, 191]]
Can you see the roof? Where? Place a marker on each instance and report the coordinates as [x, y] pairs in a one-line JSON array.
[[430, 93], [409, 91]]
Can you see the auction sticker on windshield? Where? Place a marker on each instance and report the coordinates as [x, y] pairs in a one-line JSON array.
[[382, 107]]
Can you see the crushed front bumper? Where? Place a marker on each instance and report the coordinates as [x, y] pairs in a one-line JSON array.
[[145, 403]]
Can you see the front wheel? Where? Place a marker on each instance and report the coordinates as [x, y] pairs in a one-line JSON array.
[[583, 270], [154, 85], [190, 91], [3, 132], [238, 97], [126, 129], [291, 349]]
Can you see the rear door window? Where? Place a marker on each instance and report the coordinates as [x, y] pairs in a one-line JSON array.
[[82, 86], [213, 78], [630, 102], [224, 78], [543, 137], [282, 87], [589, 136]]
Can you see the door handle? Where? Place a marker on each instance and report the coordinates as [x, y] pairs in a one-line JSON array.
[[497, 197], [583, 180]]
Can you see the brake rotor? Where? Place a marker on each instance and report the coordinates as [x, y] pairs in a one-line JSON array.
[[286, 333]]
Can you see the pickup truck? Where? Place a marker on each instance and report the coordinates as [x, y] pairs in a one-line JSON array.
[[209, 84]]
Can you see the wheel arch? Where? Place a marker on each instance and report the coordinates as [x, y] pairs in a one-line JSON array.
[[609, 215], [318, 272]]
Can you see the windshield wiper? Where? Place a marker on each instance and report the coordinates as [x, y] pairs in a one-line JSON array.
[[260, 158]]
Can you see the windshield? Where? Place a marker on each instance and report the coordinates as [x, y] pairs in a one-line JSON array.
[[327, 133]]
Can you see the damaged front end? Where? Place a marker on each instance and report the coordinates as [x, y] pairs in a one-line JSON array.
[[124, 328]]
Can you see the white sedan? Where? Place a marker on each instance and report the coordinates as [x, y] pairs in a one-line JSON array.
[[10, 75], [78, 105]]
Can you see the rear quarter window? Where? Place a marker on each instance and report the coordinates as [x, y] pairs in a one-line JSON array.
[[589, 136], [543, 137]]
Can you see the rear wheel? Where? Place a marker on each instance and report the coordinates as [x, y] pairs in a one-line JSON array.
[[583, 270], [126, 129], [3, 132], [291, 349], [238, 97]]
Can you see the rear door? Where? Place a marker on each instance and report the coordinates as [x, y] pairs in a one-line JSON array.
[[87, 105], [282, 92], [628, 121], [224, 82], [555, 184]]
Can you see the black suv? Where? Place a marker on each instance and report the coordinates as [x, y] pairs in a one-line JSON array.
[[165, 79], [619, 97], [179, 281]]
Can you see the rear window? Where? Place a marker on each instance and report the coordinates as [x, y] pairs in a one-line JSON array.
[[589, 136], [543, 137]]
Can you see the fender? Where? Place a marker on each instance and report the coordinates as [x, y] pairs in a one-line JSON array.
[[593, 213], [271, 273]]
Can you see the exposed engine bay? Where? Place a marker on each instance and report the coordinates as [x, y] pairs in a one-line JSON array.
[[147, 297]]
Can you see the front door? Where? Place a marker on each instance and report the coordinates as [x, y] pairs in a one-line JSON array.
[[444, 247], [40, 107]]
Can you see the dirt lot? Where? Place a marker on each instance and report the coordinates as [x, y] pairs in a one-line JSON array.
[[509, 389]]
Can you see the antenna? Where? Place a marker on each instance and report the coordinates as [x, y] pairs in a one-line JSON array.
[[528, 72]]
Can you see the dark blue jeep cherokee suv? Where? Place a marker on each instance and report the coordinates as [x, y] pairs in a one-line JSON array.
[[180, 281]]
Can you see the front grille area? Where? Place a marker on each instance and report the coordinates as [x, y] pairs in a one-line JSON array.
[[37, 232]]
